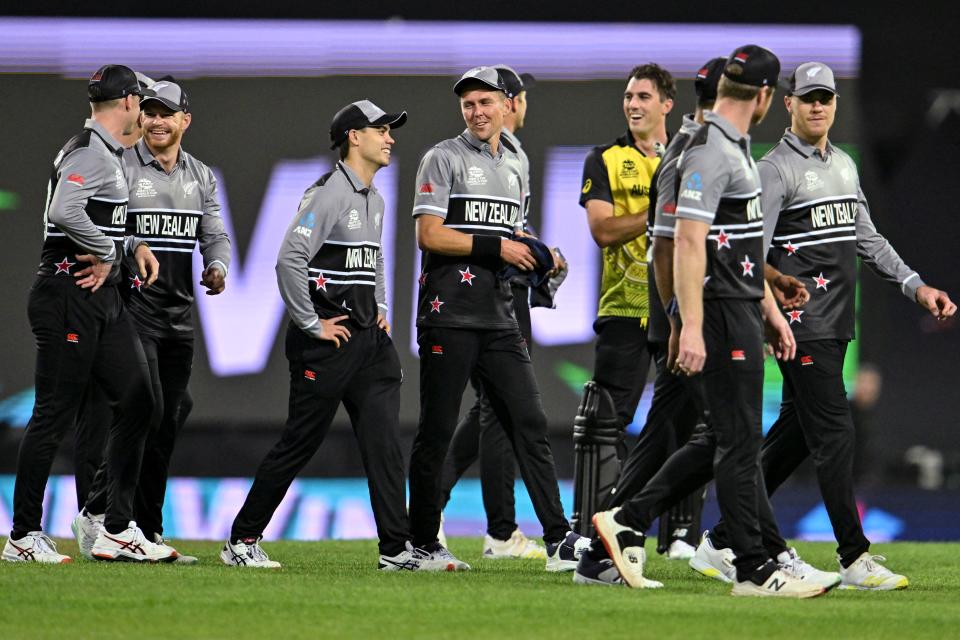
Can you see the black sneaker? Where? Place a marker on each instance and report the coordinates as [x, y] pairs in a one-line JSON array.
[[564, 555], [596, 569]]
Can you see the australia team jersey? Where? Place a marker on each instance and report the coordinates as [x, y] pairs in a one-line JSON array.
[[620, 174]]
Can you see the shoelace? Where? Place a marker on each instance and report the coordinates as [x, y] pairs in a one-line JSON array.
[[872, 563], [44, 544], [256, 553]]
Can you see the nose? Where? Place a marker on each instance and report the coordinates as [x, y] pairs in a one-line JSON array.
[[389, 139]]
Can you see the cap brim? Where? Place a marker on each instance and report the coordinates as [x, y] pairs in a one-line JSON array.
[[395, 120], [528, 80], [168, 104], [813, 87], [146, 93], [458, 88]]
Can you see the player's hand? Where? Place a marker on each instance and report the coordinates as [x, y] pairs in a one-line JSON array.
[[692, 352], [789, 292], [382, 323], [330, 330], [95, 275], [213, 279], [147, 264], [559, 264], [517, 254], [673, 347], [780, 337], [937, 302]]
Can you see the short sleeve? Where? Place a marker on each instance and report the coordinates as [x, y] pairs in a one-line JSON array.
[[703, 179], [434, 180], [596, 183]]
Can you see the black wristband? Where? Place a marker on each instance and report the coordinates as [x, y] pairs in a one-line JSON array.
[[485, 247]]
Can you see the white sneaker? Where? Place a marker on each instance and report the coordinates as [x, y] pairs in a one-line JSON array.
[[409, 559], [625, 547], [86, 527], [130, 545], [564, 555], [778, 585], [517, 546], [36, 546], [867, 573], [794, 566], [247, 553], [713, 562], [441, 534], [440, 559], [679, 550], [181, 559]]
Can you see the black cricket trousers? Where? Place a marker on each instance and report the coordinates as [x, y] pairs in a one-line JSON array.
[[82, 336], [448, 357], [364, 374]]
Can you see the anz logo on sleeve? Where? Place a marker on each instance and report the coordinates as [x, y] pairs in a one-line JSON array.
[[240, 327]]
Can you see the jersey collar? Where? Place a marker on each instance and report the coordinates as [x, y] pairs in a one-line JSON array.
[[147, 158], [804, 148], [354, 179], [627, 140], [727, 128], [111, 142], [480, 145]]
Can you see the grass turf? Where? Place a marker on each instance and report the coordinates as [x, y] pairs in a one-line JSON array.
[[332, 589]]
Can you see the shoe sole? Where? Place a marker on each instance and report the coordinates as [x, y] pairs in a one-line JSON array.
[[581, 579], [899, 586], [561, 566], [708, 570], [105, 557], [615, 555], [767, 594], [66, 560]]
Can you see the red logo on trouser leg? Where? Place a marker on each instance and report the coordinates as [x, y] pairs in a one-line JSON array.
[[73, 337], [310, 375], [738, 354], [805, 360], [437, 350]]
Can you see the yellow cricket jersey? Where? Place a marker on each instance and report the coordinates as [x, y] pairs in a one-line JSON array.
[[620, 174]]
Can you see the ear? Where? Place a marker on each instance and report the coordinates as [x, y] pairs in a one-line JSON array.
[[187, 119], [667, 106], [354, 137], [788, 104]]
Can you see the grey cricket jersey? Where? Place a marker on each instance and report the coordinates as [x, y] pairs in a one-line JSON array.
[[817, 221], [171, 213], [330, 263], [513, 143], [719, 184], [475, 192], [86, 208]]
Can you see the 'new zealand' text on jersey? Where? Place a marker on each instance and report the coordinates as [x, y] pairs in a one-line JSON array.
[[330, 262], [620, 174], [171, 212], [86, 210], [478, 194], [817, 222], [719, 184]]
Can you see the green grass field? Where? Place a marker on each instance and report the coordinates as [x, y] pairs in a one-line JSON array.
[[332, 590]]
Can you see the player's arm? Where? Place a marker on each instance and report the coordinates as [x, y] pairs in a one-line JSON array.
[[788, 291], [303, 239], [80, 176], [883, 259], [213, 239], [778, 332], [380, 289], [434, 179], [596, 197]]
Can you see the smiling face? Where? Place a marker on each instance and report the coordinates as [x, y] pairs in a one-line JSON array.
[[483, 112], [163, 127], [374, 144], [643, 107], [812, 114]]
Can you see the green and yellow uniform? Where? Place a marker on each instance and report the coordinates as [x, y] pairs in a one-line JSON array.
[[619, 173]]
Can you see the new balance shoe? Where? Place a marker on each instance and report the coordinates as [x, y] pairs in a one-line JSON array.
[[36, 546], [564, 555], [866, 573], [625, 546], [712, 562], [596, 570], [440, 559], [181, 559], [247, 552], [410, 559], [86, 527], [778, 585], [130, 545], [794, 566], [679, 550], [516, 546]]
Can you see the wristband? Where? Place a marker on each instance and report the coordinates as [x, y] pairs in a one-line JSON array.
[[485, 247], [673, 308]]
